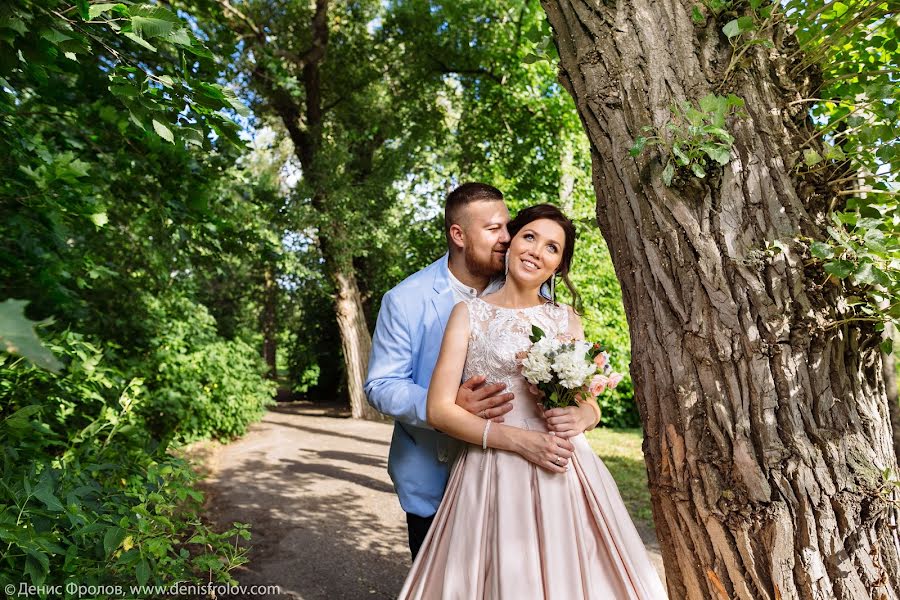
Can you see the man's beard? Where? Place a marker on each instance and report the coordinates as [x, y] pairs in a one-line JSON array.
[[480, 268]]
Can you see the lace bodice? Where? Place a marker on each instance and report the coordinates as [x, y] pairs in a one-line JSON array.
[[498, 334]]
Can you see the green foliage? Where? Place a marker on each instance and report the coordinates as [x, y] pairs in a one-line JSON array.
[[113, 135], [741, 21], [604, 317], [144, 50], [856, 146], [86, 496], [620, 450], [695, 140], [198, 385]]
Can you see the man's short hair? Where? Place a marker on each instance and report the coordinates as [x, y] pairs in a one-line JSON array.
[[458, 199]]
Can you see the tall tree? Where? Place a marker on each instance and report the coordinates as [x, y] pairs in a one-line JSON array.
[[335, 79], [759, 384]]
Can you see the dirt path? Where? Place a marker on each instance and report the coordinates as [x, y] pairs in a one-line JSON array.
[[314, 487]]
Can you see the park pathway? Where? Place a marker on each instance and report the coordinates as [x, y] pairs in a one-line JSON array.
[[314, 487]]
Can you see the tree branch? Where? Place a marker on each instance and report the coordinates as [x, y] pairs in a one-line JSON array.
[[446, 69]]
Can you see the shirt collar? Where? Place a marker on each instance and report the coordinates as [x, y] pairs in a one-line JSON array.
[[459, 286]]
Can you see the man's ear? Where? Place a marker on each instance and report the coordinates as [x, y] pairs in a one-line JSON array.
[[457, 236]]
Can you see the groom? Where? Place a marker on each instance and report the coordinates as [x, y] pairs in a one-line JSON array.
[[407, 341]]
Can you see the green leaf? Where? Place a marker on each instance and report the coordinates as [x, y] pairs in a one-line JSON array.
[[139, 40], [153, 21], [697, 16], [780, 246], [746, 23], [732, 29], [17, 336], [98, 9], [24, 413], [43, 492], [83, 10], [734, 101], [235, 103], [163, 131], [668, 173], [530, 59], [887, 346], [37, 565], [717, 153], [536, 333], [713, 104], [811, 157], [839, 268], [180, 37], [142, 572], [639, 144], [698, 170], [864, 274], [836, 152], [821, 250], [112, 539]]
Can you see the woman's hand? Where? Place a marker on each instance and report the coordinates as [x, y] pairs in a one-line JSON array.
[[548, 451], [570, 421]]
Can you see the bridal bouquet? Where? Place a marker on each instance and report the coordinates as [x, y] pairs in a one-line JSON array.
[[567, 371]]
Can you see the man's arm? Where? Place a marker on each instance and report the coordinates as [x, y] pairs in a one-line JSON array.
[[389, 384]]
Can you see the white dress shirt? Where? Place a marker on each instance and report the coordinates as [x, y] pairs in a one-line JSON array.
[[463, 292]]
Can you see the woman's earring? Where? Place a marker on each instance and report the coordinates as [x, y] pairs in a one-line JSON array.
[[553, 289], [506, 264]]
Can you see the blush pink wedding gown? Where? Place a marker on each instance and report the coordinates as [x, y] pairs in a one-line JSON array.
[[507, 529]]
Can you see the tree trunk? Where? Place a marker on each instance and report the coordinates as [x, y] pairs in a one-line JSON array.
[[303, 116], [270, 321], [566, 174], [356, 342], [767, 427]]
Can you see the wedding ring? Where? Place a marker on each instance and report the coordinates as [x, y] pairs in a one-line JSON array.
[[481, 414], [556, 460]]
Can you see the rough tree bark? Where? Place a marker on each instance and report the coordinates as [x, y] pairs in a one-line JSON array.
[[766, 426], [303, 117]]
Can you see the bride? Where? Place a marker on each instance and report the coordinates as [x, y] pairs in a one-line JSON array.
[[522, 516]]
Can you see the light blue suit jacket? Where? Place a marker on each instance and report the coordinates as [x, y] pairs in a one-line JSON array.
[[405, 348]]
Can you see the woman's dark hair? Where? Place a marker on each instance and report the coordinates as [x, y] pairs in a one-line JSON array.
[[552, 213]]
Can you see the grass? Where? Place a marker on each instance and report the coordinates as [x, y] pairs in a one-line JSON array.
[[620, 451]]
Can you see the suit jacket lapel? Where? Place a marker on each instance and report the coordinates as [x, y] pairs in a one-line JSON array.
[[443, 299]]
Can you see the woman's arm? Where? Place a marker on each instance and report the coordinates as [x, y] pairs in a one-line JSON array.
[[573, 420], [546, 451]]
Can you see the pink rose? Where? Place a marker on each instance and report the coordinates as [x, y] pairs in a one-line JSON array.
[[598, 384], [600, 360], [614, 380]]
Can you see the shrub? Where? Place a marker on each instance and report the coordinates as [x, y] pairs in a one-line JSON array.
[[198, 384], [87, 497]]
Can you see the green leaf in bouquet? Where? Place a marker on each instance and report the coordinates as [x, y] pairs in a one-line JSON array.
[[536, 334]]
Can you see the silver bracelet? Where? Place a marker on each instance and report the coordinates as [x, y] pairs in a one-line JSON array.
[[484, 435]]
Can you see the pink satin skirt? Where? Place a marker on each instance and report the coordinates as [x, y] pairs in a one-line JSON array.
[[509, 530]]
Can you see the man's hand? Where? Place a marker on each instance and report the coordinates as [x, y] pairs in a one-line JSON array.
[[485, 401], [570, 421]]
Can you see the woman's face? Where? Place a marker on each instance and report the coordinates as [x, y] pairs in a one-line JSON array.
[[536, 251]]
